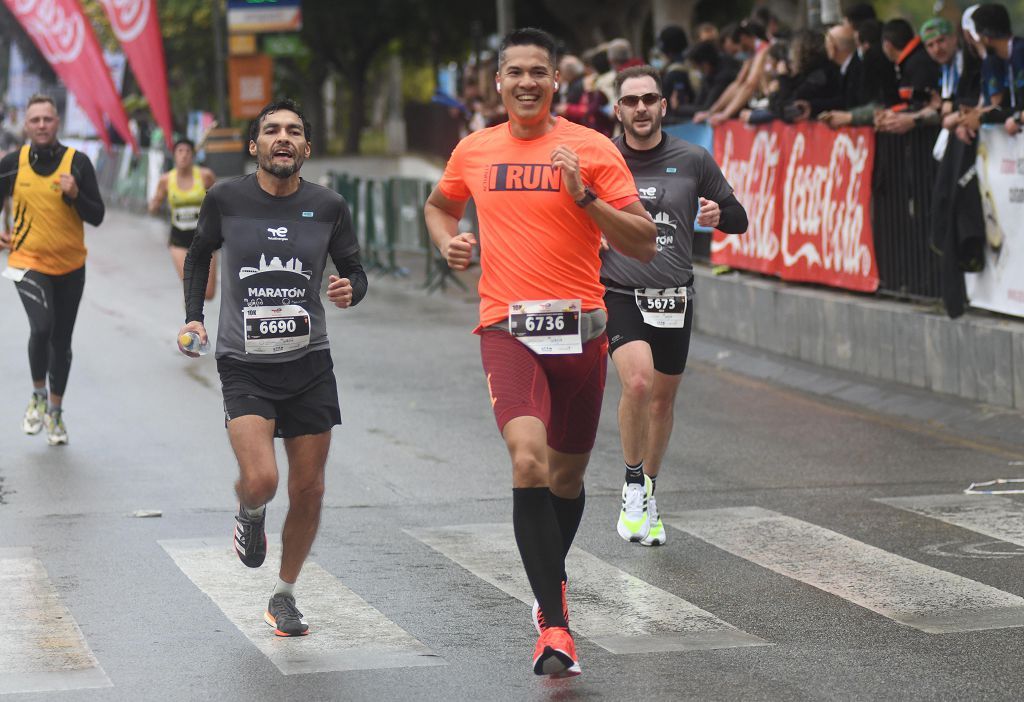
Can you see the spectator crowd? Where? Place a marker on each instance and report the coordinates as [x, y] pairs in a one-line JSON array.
[[860, 72]]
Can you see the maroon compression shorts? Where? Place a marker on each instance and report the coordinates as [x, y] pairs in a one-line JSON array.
[[563, 391]]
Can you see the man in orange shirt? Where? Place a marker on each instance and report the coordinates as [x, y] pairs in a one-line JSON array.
[[545, 190]]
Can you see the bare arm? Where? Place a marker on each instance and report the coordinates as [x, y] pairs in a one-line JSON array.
[[442, 216], [630, 230], [209, 177], [746, 88], [159, 196]]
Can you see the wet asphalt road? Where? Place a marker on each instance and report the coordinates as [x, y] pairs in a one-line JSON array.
[[419, 450]]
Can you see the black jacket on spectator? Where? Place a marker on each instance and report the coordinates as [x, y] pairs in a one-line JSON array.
[[968, 88], [711, 88], [676, 83], [852, 83], [851, 87], [919, 72], [819, 85], [958, 223], [879, 79]]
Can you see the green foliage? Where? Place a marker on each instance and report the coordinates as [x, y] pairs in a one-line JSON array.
[[188, 46]]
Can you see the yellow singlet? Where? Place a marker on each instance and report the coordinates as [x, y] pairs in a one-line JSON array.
[[185, 204], [48, 235]]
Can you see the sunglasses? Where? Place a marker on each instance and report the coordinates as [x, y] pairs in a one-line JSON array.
[[634, 100]]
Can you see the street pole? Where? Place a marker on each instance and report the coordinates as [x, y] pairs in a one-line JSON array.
[[218, 64], [506, 16]]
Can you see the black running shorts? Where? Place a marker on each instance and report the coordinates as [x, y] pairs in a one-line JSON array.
[[181, 238], [301, 395], [669, 347]]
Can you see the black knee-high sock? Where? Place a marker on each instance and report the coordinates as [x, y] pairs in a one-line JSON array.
[[538, 537], [569, 513]]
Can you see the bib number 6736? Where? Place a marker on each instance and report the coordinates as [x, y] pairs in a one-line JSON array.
[[544, 322]]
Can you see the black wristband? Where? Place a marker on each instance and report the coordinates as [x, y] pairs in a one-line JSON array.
[[587, 198]]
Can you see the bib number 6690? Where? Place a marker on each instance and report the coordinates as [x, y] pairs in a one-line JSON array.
[[277, 326]]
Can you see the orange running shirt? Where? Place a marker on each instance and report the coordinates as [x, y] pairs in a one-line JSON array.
[[535, 242]]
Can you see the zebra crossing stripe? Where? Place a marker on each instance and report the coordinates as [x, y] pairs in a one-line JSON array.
[[999, 517], [610, 607], [42, 649], [908, 592], [346, 633]]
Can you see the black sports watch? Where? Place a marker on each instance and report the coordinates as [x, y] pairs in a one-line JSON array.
[[587, 198]]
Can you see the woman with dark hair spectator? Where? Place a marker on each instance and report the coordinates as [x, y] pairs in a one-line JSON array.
[[812, 78]]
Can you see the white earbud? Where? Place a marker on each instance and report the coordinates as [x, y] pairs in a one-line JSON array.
[[556, 85], [498, 86]]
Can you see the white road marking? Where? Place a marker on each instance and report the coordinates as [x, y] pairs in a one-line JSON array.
[[612, 608], [346, 633], [911, 593], [999, 517], [42, 649]]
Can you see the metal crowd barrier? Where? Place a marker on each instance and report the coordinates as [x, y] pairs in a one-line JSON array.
[[902, 184], [387, 214]]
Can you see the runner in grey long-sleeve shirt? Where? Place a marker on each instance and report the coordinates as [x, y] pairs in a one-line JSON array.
[[650, 305]]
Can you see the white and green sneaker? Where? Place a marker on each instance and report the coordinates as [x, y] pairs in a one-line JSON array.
[[634, 517], [56, 432], [656, 536], [32, 423]]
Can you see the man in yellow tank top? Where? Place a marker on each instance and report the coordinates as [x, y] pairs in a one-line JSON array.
[[53, 190], [184, 188]]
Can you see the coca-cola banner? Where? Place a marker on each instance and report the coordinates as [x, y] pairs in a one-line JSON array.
[[137, 27], [66, 39], [807, 191]]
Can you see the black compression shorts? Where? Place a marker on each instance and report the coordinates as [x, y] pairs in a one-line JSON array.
[[301, 395], [670, 347], [181, 238]]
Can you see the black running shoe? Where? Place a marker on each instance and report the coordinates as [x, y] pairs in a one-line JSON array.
[[285, 617], [250, 538]]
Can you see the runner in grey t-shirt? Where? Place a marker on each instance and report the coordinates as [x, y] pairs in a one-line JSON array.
[[275, 231], [650, 305]]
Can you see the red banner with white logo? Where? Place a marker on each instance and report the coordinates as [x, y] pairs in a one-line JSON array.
[[137, 27], [807, 192], [66, 39]]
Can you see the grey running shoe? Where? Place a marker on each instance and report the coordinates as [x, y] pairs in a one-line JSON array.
[[285, 617], [56, 432], [250, 538], [32, 423]]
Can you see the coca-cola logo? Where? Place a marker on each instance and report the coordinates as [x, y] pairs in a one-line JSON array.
[[59, 35], [127, 17], [822, 214], [753, 179]]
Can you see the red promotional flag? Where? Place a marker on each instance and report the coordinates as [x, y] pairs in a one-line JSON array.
[[65, 38], [137, 27]]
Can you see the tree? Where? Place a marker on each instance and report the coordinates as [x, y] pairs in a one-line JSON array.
[[350, 41]]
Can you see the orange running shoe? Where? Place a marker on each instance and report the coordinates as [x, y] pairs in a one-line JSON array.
[[555, 653], [538, 616]]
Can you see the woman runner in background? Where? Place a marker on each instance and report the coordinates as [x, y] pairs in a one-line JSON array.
[[184, 188]]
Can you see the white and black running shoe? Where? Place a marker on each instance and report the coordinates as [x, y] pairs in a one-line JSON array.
[[250, 538]]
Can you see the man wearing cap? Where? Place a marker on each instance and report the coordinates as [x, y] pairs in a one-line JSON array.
[[940, 42]]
